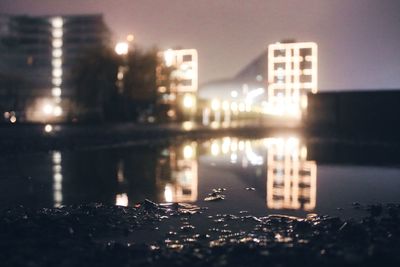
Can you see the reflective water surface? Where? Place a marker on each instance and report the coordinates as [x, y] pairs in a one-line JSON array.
[[284, 174]]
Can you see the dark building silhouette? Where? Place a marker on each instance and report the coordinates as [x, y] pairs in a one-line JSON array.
[[37, 54]]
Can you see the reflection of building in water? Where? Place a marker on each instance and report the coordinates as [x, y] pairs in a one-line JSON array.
[[57, 179], [245, 152], [180, 165], [291, 180], [121, 199]]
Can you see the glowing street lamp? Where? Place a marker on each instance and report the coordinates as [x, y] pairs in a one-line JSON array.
[[121, 48], [130, 37]]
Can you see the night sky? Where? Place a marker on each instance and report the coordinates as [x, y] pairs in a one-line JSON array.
[[359, 40]]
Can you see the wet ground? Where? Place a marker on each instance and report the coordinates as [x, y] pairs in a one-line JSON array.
[[97, 235], [337, 202]]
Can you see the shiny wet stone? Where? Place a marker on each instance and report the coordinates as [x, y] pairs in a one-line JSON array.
[[99, 235]]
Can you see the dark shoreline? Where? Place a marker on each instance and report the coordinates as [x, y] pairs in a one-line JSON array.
[[31, 137], [98, 235], [22, 138]]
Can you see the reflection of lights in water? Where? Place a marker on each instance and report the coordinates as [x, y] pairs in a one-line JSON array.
[[182, 171], [214, 148], [188, 152], [57, 22], [168, 193], [57, 178], [57, 33], [234, 145], [56, 81], [13, 119], [226, 143], [57, 168], [48, 128], [241, 145], [233, 158], [120, 172], [57, 43], [291, 179], [56, 157], [253, 158], [291, 182], [57, 53], [121, 200], [188, 125], [120, 75]]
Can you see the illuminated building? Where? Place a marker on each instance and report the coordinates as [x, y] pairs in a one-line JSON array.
[[291, 179], [292, 73], [177, 82], [40, 52]]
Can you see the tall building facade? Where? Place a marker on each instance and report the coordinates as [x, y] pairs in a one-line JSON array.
[[177, 82], [292, 73], [41, 52]]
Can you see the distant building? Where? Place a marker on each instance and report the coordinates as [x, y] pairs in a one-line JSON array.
[[177, 82], [252, 76], [40, 53], [292, 73]]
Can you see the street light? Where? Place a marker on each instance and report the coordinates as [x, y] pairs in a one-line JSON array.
[[121, 48]]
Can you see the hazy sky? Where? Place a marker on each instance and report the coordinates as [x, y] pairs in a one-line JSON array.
[[359, 40]]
